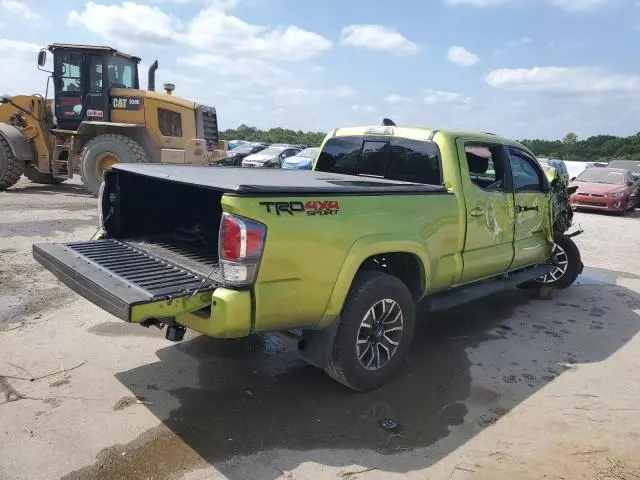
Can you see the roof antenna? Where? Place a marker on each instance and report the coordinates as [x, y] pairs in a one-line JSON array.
[[387, 122]]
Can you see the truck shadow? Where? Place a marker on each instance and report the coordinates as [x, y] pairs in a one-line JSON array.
[[230, 403]]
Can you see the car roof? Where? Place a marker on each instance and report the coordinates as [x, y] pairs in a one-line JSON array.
[[425, 134]]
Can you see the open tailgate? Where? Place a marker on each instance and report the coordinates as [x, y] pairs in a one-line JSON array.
[[126, 281]]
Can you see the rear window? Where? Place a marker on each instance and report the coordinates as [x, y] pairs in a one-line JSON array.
[[393, 158]]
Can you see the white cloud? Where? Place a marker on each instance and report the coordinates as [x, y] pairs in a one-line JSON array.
[[378, 37], [214, 29], [317, 69], [461, 56], [563, 79], [246, 70], [20, 75], [439, 97], [18, 46], [129, 22], [19, 8], [396, 99]]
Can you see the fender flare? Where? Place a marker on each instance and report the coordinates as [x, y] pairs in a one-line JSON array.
[[19, 144], [361, 250]]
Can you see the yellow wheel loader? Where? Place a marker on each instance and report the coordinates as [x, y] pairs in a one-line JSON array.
[[99, 116]]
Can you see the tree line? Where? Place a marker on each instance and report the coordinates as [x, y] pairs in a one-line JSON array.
[[596, 148]]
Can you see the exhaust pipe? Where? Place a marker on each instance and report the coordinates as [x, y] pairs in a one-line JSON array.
[[151, 79]]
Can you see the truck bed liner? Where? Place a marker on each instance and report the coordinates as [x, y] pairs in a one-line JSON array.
[[265, 181], [117, 275]]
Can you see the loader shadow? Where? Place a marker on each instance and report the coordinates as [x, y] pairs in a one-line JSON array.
[[73, 189], [470, 366]]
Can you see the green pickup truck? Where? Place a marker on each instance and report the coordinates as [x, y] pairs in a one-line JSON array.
[[334, 259]]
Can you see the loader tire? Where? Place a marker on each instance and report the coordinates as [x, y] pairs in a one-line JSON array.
[[11, 169], [36, 176], [102, 152]]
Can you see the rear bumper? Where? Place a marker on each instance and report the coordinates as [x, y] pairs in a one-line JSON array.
[[135, 286], [597, 203]]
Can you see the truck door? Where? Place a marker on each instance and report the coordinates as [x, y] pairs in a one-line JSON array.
[[488, 248], [532, 229]]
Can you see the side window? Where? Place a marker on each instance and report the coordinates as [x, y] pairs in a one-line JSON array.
[[414, 161], [373, 160], [170, 123], [95, 74], [527, 176], [120, 72], [486, 167], [69, 72], [340, 155]]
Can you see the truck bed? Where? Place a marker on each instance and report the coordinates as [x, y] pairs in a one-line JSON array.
[[259, 181]]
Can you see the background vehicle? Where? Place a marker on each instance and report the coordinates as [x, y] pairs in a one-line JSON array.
[[100, 117], [390, 217], [271, 157], [301, 160], [235, 156], [232, 144], [609, 189]]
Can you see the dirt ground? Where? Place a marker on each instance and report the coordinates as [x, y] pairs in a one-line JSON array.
[[507, 387]]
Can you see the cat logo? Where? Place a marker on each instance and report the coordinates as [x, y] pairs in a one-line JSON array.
[[126, 103]]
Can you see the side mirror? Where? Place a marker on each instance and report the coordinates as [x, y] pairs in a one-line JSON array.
[[42, 58], [631, 184], [572, 179]]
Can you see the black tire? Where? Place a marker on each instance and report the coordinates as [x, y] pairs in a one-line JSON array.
[[125, 148], [36, 176], [369, 289], [11, 169], [574, 265]]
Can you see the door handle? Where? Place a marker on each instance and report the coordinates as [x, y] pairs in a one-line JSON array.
[[522, 208], [477, 212]]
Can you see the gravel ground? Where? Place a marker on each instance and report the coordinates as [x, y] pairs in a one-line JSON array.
[[508, 387]]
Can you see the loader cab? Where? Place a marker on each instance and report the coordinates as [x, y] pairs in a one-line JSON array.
[[82, 79]]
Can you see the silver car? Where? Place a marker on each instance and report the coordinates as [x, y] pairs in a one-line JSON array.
[[271, 157]]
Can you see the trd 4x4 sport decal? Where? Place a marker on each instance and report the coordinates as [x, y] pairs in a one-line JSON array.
[[310, 207]]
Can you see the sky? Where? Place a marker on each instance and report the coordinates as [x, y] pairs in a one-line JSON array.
[[519, 68]]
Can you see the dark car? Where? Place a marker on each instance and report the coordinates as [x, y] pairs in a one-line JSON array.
[[605, 188], [235, 156]]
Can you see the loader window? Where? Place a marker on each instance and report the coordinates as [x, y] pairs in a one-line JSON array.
[[170, 123], [95, 74], [122, 72], [68, 72]]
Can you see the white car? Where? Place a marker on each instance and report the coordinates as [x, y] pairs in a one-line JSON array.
[[270, 157]]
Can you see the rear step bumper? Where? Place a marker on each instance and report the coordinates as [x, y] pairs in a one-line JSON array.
[[118, 277]]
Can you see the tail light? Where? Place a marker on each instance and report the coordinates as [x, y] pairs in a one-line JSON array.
[[240, 249]]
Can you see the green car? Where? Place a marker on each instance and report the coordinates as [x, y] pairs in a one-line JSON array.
[[334, 260]]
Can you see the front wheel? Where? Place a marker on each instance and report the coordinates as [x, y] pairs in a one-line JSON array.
[[566, 261], [375, 331], [103, 152]]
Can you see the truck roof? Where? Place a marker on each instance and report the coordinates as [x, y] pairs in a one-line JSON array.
[[266, 181], [420, 133]]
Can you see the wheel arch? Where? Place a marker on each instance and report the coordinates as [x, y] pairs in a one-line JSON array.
[[19, 144], [409, 253]]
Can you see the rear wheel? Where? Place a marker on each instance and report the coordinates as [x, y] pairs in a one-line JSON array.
[[375, 331], [11, 169], [103, 152], [36, 176]]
